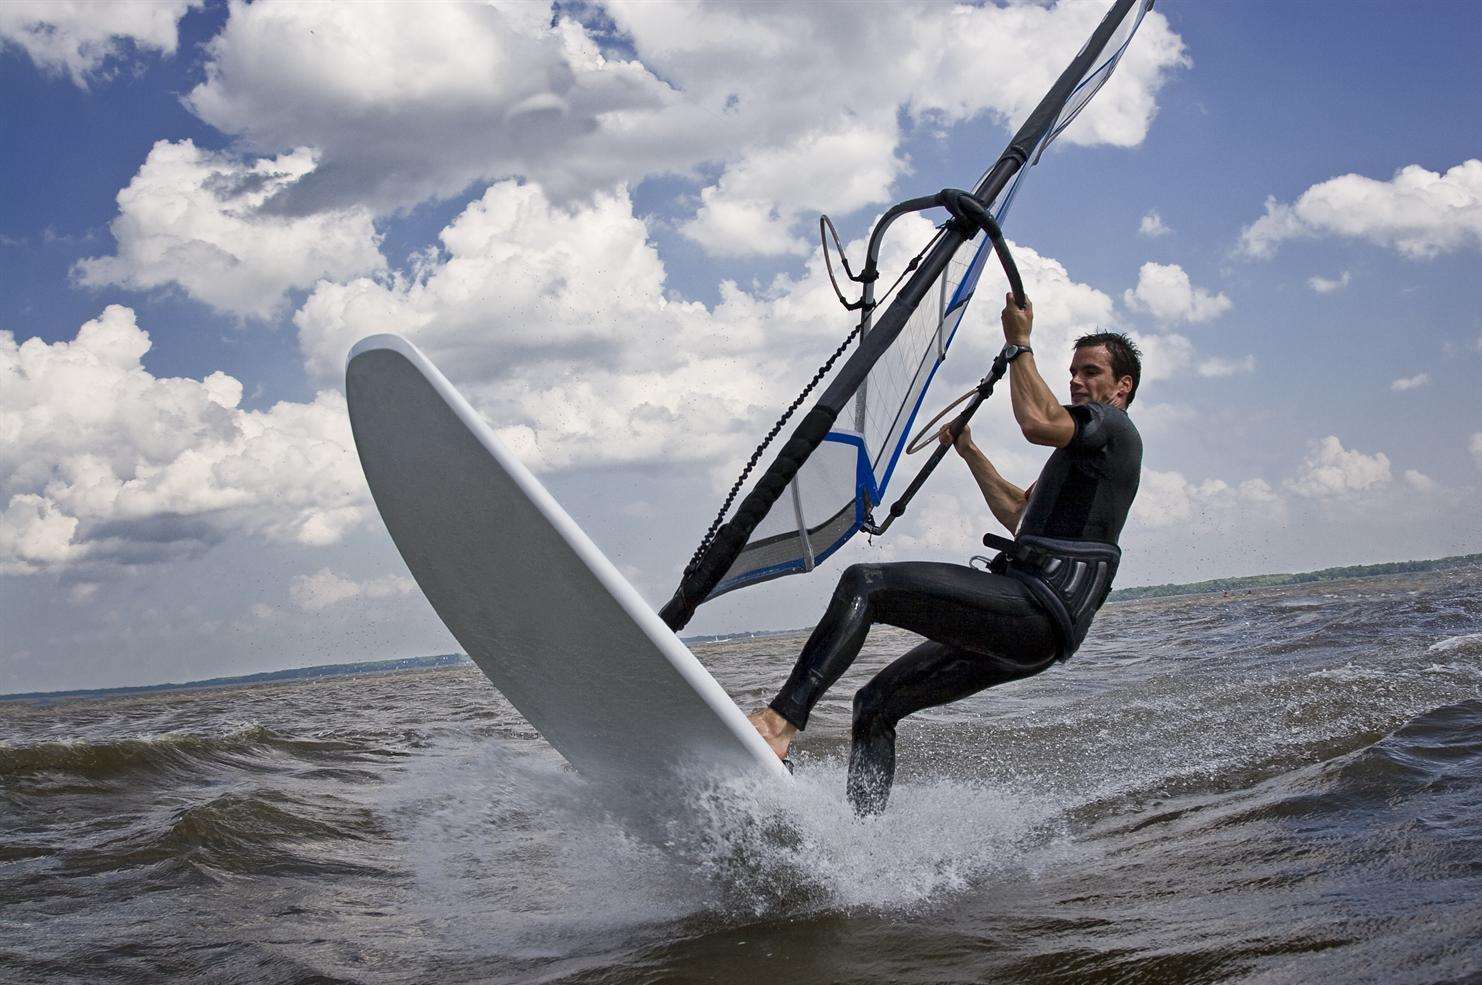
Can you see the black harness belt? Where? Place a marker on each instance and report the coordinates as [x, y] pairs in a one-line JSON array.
[[1070, 578]]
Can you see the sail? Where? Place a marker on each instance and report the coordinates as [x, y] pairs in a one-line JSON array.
[[840, 459]]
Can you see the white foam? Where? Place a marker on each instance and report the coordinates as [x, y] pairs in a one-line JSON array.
[[1452, 643], [515, 852], [800, 847]]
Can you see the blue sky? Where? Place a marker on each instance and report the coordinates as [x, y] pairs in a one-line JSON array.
[[604, 236]]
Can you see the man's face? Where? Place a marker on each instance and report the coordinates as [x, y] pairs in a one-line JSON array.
[[1092, 380]]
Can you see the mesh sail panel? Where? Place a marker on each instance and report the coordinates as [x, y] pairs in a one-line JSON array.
[[890, 400], [812, 520]]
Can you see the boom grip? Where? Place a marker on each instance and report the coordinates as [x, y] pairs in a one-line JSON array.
[[970, 210]]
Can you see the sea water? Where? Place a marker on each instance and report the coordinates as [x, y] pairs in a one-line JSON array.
[[1279, 785]]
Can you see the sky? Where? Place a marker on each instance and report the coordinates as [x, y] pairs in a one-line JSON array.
[[599, 220]]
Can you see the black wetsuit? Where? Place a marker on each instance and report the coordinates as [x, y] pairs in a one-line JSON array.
[[981, 628]]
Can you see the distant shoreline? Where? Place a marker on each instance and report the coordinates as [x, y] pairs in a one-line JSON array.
[[267, 677], [1300, 578], [441, 660]]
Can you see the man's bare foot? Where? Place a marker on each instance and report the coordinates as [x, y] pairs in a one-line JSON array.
[[776, 730]]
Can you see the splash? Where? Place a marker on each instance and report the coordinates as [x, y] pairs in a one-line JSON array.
[[739, 848], [787, 849]]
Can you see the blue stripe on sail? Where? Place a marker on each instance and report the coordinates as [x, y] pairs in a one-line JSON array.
[[760, 574]]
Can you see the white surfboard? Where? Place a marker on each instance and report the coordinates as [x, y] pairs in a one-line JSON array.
[[530, 598]]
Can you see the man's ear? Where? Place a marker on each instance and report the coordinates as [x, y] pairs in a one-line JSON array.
[[1124, 387]]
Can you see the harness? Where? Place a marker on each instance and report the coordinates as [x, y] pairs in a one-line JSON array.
[[1069, 578]]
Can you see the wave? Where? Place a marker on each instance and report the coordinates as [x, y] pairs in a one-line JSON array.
[[180, 751], [258, 832], [268, 831], [150, 753]]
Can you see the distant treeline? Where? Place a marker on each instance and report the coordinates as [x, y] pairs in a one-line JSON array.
[[1271, 581]]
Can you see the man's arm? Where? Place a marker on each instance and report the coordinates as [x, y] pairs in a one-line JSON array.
[[1041, 417], [1005, 500]]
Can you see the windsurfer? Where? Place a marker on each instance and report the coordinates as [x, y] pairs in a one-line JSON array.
[[1031, 608]]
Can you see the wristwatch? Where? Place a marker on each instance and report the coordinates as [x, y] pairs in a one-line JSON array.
[[1011, 352]]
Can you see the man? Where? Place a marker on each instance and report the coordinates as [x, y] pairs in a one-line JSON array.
[[1031, 608]]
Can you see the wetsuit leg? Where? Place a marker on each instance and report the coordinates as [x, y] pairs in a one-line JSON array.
[[973, 618], [930, 674], [952, 604]]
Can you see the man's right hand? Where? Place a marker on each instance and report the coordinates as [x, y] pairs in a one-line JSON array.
[[964, 442]]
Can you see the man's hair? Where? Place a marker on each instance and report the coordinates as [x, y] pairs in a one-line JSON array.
[[1126, 358]]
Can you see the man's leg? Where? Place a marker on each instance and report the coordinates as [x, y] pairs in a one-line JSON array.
[[949, 603], [831, 648], [929, 675]]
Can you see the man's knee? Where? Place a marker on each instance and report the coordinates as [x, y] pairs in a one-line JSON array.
[[871, 716], [855, 581]]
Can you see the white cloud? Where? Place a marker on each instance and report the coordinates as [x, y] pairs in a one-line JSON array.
[[1419, 481], [1152, 225], [754, 207], [77, 38], [940, 64], [1219, 366], [1064, 309], [321, 590], [1166, 499], [102, 463], [1257, 491], [944, 524], [325, 588], [558, 323], [1411, 382], [1163, 498], [1332, 470], [1419, 213], [778, 116], [1330, 474], [1163, 355], [1327, 285], [198, 219], [1165, 291], [412, 101], [1162, 417], [1475, 447], [589, 357]]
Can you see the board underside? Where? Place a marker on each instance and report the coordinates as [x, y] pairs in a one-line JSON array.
[[547, 618]]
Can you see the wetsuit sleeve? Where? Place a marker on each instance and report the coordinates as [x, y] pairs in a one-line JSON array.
[[1091, 426]]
